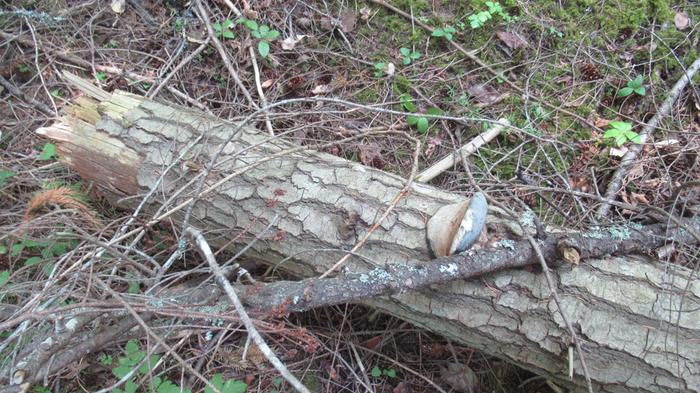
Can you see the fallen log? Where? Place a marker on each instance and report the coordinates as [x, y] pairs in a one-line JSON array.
[[639, 321]]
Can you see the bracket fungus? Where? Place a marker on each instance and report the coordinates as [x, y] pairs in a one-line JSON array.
[[454, 228]]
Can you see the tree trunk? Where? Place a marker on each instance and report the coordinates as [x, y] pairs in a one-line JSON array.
[[639, 322]]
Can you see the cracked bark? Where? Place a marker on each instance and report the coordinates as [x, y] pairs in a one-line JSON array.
[[639, 321]]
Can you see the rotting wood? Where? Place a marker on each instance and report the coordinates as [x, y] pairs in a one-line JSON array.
[[639, 322]]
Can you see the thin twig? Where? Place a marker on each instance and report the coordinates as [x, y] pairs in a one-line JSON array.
[[247, 322]]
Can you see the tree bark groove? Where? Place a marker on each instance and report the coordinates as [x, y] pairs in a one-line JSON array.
[[639, 321]]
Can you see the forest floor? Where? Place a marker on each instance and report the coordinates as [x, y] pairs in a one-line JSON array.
[[577, 80]]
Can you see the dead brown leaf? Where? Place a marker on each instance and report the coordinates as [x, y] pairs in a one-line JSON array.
[[600, 122], [371, 155], [402, 387], [347, 20], [512, 40], [460, 377], [485, 94]]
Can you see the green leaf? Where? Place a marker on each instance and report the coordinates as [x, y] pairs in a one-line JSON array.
[[263, 48], [121, 371], [227, 24], [263, 30], [620, 140], [4, 175], [438, 33], [636, 82], [415, 55], [100, 76], [411, 120], [4, 277], [228, 34], [405, 51], [272, 35], [217, 27], [641, 91], [621, 125], [406, 60], [277, 381], [391, 373], [130, 387], [168, 387], [612, 133], [48, 152], [134, 287], [251, 24], [435, 111], [16, 249], [407, 102], [422, 125], [625, 91], [148, 365], [3, 250], [231, 386], [376, 372], [131, 348], [32, 261], [633, 137]]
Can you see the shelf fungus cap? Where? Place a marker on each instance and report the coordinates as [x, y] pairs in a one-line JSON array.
[[454, 228]]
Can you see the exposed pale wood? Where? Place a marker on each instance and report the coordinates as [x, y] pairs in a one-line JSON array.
[[448, 161], [639, 322]]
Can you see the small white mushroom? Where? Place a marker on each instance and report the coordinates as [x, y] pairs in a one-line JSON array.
[[454, 228]]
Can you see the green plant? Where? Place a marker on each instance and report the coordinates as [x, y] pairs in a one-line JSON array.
[[633, 86], [47, 152], [112, 43], [621, 132], [420, 122], [100, 76], [380, 69], [263, 33], [47, 250], [553, 31], [409, 55], [223, 29], [277, 383], [378, 372], [4, 277], [4, 175], [446, 32], [105, 359], [230, 386], [480, 18]]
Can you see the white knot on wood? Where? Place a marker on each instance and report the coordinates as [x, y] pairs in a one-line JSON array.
[[454, 228]]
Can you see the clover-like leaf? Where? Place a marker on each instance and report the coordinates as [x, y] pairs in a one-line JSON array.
[[625, 91], [4, 277], [422, 125], [636, 82], [263, 48], [621, 125], [48, 152], [376, 372], [405, 51]]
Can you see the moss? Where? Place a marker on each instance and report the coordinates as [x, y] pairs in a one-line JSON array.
[[418, 5], [611, 16], [367, 95]]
